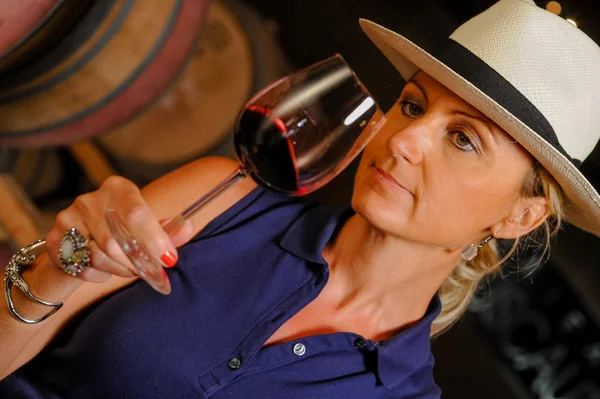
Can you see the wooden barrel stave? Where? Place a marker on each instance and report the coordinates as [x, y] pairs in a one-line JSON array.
[[20, 18], [34, 26], [27, 27], [110, 88], [93, 32]]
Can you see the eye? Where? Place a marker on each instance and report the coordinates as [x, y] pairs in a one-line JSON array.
[[411, 109], [462, 141]]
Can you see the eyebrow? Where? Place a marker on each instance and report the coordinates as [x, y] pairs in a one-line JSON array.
[[420, 88], [481, 119]]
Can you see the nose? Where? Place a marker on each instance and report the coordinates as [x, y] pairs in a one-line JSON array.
[[411, 141]]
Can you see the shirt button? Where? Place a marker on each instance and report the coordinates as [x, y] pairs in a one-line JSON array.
[[360, 343], [234, 363], [299, 349]]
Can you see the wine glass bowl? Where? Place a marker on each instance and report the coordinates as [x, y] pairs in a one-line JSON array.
[[294, 136], [300, 132]]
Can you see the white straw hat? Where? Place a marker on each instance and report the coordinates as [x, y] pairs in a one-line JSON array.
[[534, 74]]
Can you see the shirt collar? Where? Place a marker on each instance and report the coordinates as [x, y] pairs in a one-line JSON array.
[[409, 350], [308, 235], [402, 354]]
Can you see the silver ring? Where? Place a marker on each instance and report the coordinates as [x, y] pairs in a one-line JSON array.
[[74, 254]]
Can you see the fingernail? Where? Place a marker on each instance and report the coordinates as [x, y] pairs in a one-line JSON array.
[[169, 259]]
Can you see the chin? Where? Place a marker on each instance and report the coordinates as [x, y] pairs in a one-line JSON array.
[[382, 211]]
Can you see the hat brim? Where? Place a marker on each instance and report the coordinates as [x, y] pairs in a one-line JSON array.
[[582, 202]]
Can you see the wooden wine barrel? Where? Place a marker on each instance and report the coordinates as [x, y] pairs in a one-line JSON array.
[[236, 56], [20, 18], [19, 217], [117, 58], [28, 27]]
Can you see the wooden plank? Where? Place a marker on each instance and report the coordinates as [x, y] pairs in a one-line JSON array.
[[19, 216]]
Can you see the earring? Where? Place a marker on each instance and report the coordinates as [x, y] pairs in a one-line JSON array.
[[471, 251]]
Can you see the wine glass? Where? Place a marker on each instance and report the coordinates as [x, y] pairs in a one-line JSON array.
[[294, 136]]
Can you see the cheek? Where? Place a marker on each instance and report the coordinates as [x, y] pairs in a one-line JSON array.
[[377, 145], [465, 205], [384, 212], [379, 212], [450, 212]]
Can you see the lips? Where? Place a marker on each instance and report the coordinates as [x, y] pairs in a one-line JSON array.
[[382, 175]]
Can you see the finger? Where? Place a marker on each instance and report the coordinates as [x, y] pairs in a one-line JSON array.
[[94, 276], [64, 221], [102, 262], [134, 216], [69, 218], [102, 238], [137, 217], [110, 250], [93, 215], [182, 235]]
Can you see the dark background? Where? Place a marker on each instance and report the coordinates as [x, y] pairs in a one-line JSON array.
[[525, 336]]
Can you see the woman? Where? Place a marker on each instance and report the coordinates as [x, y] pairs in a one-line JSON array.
[[275, 297]]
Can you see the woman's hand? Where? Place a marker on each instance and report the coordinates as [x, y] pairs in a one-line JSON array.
[[87, 215]]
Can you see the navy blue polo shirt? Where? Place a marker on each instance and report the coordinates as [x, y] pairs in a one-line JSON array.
[[236, 283]]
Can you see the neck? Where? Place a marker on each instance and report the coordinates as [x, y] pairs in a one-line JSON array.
[[373, 270]]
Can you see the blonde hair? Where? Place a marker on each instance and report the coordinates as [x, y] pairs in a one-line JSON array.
[[461, 285]]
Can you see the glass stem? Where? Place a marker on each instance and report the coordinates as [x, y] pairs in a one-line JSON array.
[[177, 222]]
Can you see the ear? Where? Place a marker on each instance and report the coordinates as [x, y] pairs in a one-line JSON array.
[[526, 215]]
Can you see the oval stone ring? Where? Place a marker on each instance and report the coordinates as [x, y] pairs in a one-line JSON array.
[[74, 254]]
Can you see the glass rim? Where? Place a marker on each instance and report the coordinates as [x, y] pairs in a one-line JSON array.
[[356, 78]]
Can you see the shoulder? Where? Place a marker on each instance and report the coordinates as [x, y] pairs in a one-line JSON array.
[[261, 212], [179, 189]]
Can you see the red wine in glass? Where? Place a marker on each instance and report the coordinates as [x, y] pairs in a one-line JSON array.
[[294, 136], [264, 144]]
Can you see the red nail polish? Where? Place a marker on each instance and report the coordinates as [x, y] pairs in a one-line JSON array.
[[169, 259]]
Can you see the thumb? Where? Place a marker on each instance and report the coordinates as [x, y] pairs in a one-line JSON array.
[[182, 235]]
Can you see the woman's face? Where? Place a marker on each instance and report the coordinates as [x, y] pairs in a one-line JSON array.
[[439, 172]]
